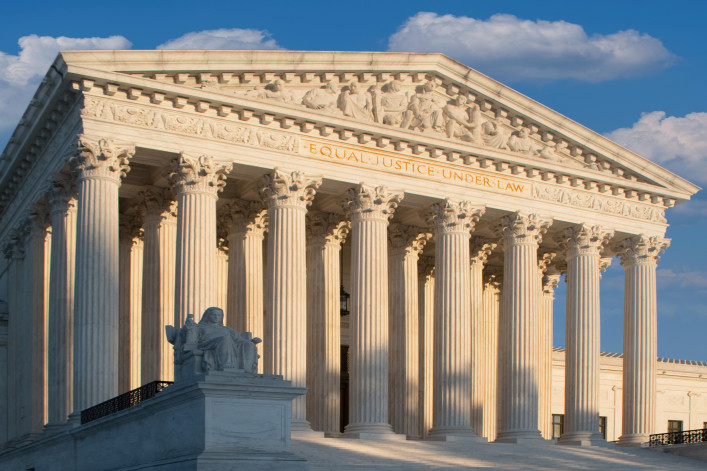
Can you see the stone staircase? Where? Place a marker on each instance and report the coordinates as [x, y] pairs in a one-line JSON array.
[[344, 454]]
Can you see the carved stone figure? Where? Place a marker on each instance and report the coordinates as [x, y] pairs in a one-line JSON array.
[[424, 111], [493, 134], [552, 153], [275, 90], [322, 98], [210, 345], [389, 104], [521, 142], [356, 103], [462, 120]]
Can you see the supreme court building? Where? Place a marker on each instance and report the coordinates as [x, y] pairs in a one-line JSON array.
[[398, 221]]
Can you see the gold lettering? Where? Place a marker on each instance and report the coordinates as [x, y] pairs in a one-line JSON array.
[[326, 151]]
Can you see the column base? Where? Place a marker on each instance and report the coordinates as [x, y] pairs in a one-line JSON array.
[[371, 432], [300, 425], [582, 439], [530, 437], [455, 435], [635, 440], [55, 427]]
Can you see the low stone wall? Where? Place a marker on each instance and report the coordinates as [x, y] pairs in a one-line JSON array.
[[215, 422]]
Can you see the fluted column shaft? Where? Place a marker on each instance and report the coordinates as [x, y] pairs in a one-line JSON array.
[[407, 243], [548, 284], [639, 256], [61, 303], [197, 182], [453, 222], [15, 253], [480, 251], [158, 283], [370, 209], [288, 195], [248, 222], [325, 234], [584, 244], [490, 359], [130, 292], [519, 393], [99, 167], [426, 286]]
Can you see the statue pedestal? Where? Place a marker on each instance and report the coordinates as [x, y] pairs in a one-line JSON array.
[[208, 422]]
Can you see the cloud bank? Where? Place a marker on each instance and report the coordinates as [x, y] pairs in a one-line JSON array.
[[512, 49], [677, 143], [234, 38]]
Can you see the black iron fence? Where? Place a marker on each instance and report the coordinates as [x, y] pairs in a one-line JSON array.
[[124, 401], [676, 438]]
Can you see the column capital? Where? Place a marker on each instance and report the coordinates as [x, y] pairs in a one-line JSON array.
[[101, 158], [550, 282], [130, 228], [426, 266], [546, 260], [584, 239], [200, 174], [520, 228], [493, 279], [15, 248], [453, 216], [157, 203], [481, 249], [61, 193], [326, 228], [39, 221], [285, 188], [407, 239], [244, 216], [371, 202], [641, 250]]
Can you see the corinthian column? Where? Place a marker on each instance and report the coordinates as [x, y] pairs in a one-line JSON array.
[[159, 253], [426, 285], [453, 222], [639, 256], [15, 254], [584, 244], [480, 251], [548, 282], [518, 340], [62, 200], [99, 166], [288, 194], [325, 234], [370, 208], [130, 320], [407, 242], [492, 290], [198, 181], [248, 221]]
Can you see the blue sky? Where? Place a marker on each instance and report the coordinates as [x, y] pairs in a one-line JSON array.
[[633, 70]]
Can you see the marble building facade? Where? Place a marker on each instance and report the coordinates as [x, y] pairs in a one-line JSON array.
[[142, 186]]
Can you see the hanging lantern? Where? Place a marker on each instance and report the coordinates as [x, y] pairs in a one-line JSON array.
[[344, 301]]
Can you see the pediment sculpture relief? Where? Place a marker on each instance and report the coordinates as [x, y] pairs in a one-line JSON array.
[[425, 109], [211, 346]]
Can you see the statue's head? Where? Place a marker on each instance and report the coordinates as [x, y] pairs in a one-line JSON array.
[[331, 87], [213, 315], [353, 87], [394, 86]]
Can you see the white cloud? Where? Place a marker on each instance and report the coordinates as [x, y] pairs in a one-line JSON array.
[[512, 49], [678, 143], [685, 278], [20, 74], [234, 38]]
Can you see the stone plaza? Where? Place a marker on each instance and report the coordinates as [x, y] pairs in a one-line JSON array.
[[391, 225]]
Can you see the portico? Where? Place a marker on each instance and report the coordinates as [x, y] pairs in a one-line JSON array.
[[242, 150]]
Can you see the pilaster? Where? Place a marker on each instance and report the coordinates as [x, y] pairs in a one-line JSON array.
[[288, 194], [99, 167], [522, 234], [639, 256], [197, 182], [370, 208], [15, 253]]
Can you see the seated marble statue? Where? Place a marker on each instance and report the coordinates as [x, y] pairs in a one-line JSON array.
[[210, 345]]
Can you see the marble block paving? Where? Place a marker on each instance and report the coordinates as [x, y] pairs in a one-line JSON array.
[[341, 454]]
